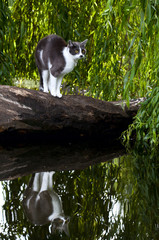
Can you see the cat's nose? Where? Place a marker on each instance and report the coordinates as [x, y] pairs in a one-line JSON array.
[[81, 56]]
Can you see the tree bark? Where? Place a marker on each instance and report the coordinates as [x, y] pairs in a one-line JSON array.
[[36, 119], [29, 112]]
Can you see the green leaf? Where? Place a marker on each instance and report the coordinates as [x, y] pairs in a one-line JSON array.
[[148, 13], [132, 42]]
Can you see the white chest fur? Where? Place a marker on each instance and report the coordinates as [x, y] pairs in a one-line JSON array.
[[71, 62]]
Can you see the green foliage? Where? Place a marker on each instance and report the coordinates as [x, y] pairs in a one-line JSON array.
[[145, 163], [146, 125], [6, 44], [125, 49], [36, 19], [122, 57]]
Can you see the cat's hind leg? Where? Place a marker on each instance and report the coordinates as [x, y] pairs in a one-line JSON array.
[[45, 76], [41, 87]]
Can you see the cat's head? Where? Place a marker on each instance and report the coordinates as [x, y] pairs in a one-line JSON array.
[[61, 224], [77, 49]]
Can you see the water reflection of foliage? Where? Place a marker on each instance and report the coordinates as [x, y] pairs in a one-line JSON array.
[[89, 197], [142, 215]]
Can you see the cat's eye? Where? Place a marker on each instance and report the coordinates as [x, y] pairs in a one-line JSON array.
[[76, 51], [83, 51]]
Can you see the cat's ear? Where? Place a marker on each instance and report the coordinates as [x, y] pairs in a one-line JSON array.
[[84, 42], [70, 43]]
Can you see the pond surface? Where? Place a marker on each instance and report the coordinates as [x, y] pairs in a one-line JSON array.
[[100, 202]]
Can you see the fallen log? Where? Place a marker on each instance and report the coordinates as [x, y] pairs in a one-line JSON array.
[[27, 114], [39, 132]]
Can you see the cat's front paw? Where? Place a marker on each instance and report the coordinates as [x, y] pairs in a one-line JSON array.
[[46, 91], [54, 95], [59, 95]]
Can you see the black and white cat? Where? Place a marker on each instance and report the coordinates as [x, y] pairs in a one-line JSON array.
[[42, 205], [54, 59]]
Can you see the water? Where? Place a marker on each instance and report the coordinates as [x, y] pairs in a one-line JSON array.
[[101, 200]]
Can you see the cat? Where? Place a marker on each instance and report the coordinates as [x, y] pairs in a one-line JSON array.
[[54, 59], [42, 204]]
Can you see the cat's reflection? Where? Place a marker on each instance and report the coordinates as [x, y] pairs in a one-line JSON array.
[[42, 204]]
